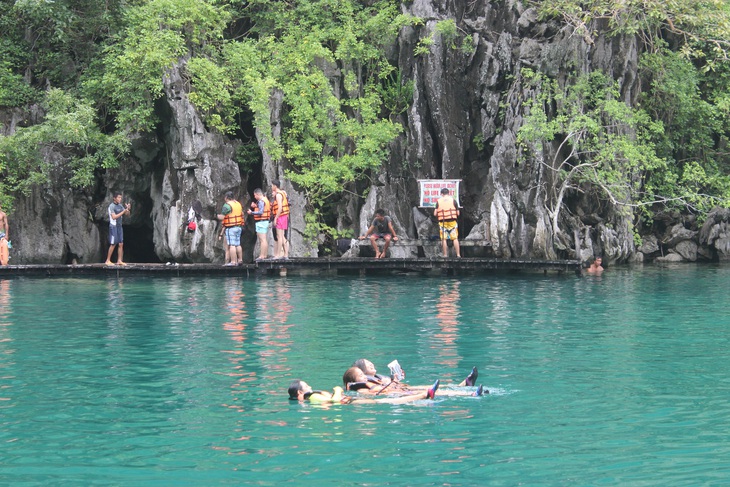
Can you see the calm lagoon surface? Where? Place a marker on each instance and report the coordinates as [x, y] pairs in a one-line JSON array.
[[619, 379]]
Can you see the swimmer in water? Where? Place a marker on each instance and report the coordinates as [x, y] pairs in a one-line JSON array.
[[301, 391], [355, 379], [373, 379]]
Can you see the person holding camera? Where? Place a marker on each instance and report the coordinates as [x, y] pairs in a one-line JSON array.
[[116, 231], [261, 211]]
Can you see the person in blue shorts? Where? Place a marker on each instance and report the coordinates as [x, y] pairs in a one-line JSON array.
[[261, 212], [116, 232], [232, 217]]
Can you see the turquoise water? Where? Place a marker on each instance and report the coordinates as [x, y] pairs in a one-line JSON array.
[[620, 379]]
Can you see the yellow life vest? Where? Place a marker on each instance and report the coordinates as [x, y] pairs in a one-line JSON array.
[[446, 209]]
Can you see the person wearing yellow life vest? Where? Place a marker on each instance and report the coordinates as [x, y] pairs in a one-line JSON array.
[[446, 213], [261, 211], [232, 217], [280, 212], [301, 391]]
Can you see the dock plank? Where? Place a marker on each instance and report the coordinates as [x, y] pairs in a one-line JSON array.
[[306, 265]]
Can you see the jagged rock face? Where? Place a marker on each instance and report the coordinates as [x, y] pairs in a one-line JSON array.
[[463, 124], [463, 121], [715, 233]]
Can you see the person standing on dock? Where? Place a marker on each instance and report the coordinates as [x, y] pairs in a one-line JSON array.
[[232, 217], [381, 227], [261, 211], [447, 213], [4, 239], [280, 213], [116, 232]]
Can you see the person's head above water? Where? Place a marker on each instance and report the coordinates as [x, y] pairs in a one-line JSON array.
[[365, 365], [297, 390], [354, 375]]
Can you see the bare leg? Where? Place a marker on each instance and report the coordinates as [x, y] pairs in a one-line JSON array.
[[456, 248], [386, 245], [374, 243], [445, 247], [278, 244], [263, 246], [120, 254], [239, 255], [109, 255]]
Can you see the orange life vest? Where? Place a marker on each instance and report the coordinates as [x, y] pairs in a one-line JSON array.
[[284, 204], [235, 217], [267, 211], [446, 210]]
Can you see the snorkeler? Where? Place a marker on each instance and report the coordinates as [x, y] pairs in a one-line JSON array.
[[301, 391]]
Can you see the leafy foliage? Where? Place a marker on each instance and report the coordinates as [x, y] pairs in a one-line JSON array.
[[71, 131], [97, 67], [601, 142]]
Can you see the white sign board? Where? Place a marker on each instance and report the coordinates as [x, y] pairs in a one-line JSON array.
[[430, 191]]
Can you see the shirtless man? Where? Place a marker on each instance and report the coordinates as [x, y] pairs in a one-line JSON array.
[[595, 267], [4, 227]]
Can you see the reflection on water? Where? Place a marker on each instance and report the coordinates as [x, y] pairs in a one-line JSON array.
[[6, 350]]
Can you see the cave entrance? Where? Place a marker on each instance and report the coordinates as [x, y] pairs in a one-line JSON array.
[[139, 246]]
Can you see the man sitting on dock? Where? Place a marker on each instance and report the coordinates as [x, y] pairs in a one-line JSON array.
[[381, 227]]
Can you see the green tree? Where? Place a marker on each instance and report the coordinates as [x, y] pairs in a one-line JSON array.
[[598, 142], [67, 145]]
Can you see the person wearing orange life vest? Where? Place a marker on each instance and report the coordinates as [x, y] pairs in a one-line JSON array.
[[232, 217], [261, 211], [446, 213], [280, 213]]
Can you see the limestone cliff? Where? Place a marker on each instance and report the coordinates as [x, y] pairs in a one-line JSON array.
[[466, 110]]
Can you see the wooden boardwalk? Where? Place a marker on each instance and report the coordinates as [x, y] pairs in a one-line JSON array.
[[309, 266]]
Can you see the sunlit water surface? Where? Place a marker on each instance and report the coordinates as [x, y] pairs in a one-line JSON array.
[[614, 380]]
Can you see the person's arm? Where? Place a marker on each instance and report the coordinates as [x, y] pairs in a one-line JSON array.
[[221, 216], [392, 230], [115, 216], [370, 230], [259, 208]]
